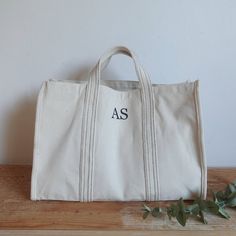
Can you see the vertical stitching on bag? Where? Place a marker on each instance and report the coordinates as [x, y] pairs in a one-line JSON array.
[[146, 167], [83, 125], [96, 99], [156, 161], [92, 134], [152, 146], [82, 144], [85, 128], [144, 156], [94, 88], [155, 185], [150, 141], [144, 133], [88, 147], [85, 145], [145, 140], [155, 156], [77, 162], [145, 145], [200, 143]]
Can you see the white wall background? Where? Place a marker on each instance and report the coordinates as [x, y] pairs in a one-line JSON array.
[[175, 41]]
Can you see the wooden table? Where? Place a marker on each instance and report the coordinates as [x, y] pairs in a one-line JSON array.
[[19, 215]]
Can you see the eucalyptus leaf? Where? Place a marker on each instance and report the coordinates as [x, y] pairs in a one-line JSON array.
[[231, 202], [231, 196], [193, 209], [145, 214], [174, 210], [200, 203], [221, 199], [234, 183], [181, 214], [223, 213], [220, 195], [232, 188], [169, 215], [169, 212], [228, 190], [156, 212], [146, 208], [211, 206], [202, 217]]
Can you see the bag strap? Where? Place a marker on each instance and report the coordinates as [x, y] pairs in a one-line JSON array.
[[152, 183]]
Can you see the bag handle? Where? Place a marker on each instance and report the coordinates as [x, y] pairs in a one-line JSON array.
[[152, 186], [105, 59]]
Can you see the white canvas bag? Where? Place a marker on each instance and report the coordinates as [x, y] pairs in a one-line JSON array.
[[101, 140]]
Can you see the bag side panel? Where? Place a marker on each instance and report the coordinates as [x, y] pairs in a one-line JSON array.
[[33, 194], [177, 140], [57, 161]]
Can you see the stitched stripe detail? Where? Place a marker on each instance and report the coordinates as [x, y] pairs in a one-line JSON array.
[[92, 139], [88, 140], [83, 145], [155, 156], [147, 168], [150, 151]]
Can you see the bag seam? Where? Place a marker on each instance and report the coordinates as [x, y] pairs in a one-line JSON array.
[[37, 141], [200, 142]]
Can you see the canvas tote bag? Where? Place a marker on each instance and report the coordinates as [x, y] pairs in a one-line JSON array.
[[99, 140]]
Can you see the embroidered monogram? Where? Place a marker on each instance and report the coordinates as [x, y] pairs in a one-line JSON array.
[[122, 115]]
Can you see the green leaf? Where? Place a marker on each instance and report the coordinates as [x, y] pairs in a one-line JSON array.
[[215, 198], [211, 206], [231, 196], [223, 213], [221, 199], [232, 188], [227, 191], [173, 210], [234, 182], [193, 209], [146, 208], [169, 215], [181, 214], [156, 212], [145, 214], [220, 195], [231, 202], [169, 212], [220, 203], [200, 203], [202, 217], [207, 205]]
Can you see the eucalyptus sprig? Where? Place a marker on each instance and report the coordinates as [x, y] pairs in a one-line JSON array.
[[198, 208]]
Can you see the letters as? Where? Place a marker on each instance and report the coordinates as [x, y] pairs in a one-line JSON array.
[[121, 115]]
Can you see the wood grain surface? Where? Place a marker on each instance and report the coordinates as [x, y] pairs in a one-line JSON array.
[[17, 211]]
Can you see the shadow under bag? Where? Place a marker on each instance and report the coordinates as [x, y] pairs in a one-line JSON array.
[[110, 140]]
